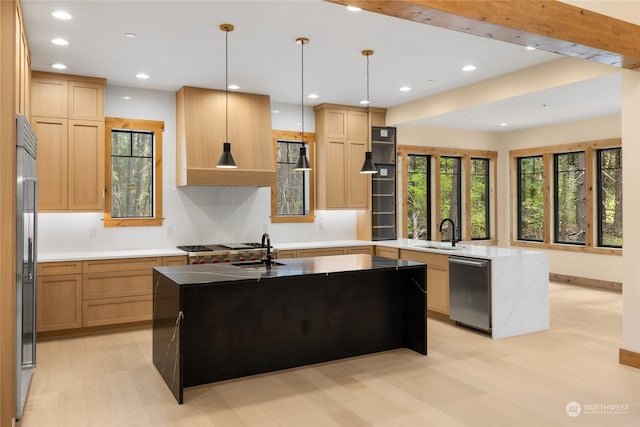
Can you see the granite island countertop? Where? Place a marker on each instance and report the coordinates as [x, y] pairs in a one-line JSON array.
[[222, 273]]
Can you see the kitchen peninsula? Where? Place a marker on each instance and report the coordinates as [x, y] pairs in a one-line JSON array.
[[214, 322]]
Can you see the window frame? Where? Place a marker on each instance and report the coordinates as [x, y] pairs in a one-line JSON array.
[[309, 139], [429, 207], [599, 195], [556, 195], [548, 152], [519, 199], [466, 154], [458, 218], [157, 128], [487, 195]]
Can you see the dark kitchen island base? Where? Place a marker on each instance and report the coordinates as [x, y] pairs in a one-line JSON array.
[[216, 322]]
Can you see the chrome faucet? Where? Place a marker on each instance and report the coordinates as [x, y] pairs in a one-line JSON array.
[[453, 230], [267, 260]]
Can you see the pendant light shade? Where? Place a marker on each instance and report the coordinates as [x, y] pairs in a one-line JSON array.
[[303, 163], [226, 159], [368, 167]]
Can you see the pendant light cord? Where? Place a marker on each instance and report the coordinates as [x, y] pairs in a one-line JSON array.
[[226, 84], [302, 87]]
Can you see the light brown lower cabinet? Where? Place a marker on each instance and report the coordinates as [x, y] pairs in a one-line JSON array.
[[59, 296], [387, 252], [346, 250], [286, 253], [367, 250], [78, 294], [437, 278], [303, 253]]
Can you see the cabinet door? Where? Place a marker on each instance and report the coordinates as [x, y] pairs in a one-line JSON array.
[[52, 162], [302, 253], [59, 302], [387, 252], [366, 250], [288, 253], [49, 97], [86, 101], [336, 123], [357, 126], [438, 290], [174, 260], [86, 165], [336, 178], [358, 183]]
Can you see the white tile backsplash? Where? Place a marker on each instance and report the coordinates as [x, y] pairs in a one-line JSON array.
[[191, 214]]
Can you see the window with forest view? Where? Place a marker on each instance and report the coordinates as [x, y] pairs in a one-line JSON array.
[[291, 184], [451, 191], [131, 174], [569, 198], [480, 219], [610, 197], [134, 163], [418, 197], [531, 198]]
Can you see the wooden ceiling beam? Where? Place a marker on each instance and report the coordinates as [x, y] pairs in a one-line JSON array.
[[549, 25]]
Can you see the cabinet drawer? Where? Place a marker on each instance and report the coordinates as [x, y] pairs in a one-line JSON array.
[[289, 253], [117, 284], [58, 268], [367, 250], [59, 302], [116, 310], [125, 264], [174, 260], [320, 252], [433, 261], [387, 252]]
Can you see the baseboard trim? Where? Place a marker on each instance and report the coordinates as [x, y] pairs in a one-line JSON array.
[[93, 330], [629, 358], [584, 281]]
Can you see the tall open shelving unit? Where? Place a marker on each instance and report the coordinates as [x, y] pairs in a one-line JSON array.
[[383, 184]]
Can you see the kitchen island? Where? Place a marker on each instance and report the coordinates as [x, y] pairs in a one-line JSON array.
[[214, 322]]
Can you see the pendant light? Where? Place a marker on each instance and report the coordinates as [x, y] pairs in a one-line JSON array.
[[368, 166], [226, 159], [303, 163]]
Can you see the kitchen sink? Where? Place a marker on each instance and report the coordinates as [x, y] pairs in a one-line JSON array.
[[255, 264], [441, 248]]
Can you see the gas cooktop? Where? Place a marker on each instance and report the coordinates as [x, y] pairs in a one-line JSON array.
[[220, 247]]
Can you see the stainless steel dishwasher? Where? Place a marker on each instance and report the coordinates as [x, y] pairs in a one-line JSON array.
[[470, 292]]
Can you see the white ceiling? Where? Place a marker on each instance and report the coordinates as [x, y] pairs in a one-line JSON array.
[[179, 43]]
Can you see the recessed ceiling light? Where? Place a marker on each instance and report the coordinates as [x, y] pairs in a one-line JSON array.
[[313, 96], [275, 111], [353, 8], [61, 14], [530, 48], [142, 76], [60, 42], [364, 102], [130, 35], [126, 98], [405, 89], [234, 87], [503, 124], [59, 66], [469, 67]]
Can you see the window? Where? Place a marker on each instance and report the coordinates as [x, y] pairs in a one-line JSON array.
[[451, 190], [480, 219], [569, 198], [610, 197], [134, 172], [292, 195], [418, 197], [531, 198]]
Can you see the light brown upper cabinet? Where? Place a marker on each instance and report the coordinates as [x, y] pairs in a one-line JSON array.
[[201, 132], [341, 143], [68, 119], [23, 68]]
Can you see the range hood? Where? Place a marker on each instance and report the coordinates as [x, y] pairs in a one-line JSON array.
[[200, 133]]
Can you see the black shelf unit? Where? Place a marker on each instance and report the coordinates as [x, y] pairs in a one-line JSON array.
[[383, 184]]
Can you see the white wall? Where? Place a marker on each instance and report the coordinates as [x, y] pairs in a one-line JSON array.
[[192, 214]]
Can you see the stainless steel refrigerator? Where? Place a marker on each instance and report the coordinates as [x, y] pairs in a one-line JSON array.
[[26, 258]]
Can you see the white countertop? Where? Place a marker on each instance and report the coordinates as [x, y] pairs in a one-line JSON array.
[[464, 249], [110, 254]]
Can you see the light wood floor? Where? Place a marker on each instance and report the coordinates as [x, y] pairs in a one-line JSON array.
[[466, 380]]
